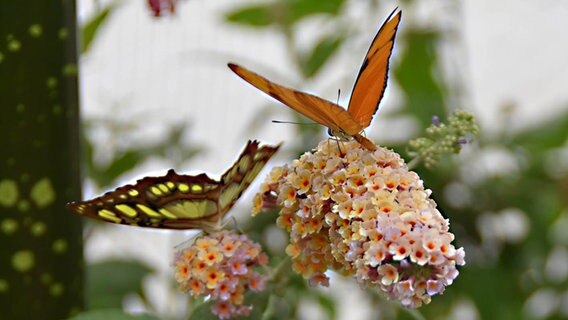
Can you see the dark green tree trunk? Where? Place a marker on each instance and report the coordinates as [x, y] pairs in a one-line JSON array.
[[41, 262]]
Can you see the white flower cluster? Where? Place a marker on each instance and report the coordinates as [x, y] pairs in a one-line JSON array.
[[363, 213]]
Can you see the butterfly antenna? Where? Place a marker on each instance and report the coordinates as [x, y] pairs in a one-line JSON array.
[[293, 122], [338, 96]]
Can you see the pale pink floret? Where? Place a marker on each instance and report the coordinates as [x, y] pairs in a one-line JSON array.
[[338, 178], [196, 286], [331, 165], [436, 258], [304, 210], [404, 289], [302, 182], [450, 274], [238, 266], [223, 310], [344, 209], [182, 271], [223, 290], [419, 255], [358, 208], [287, 197], [204, 244], [434, 287], [400, 250], [415, 301], [388, 273], [211, 255], [420, 286], [228, 247], [257, 282], [355, 250], [392, 233], [460, 257]]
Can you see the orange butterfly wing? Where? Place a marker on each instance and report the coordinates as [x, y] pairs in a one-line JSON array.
[[371, 82], [321, 111], [368, 90]]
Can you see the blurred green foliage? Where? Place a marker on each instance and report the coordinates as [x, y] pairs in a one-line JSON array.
[[283, 13], [171, 147], [92, 26], [416, 72], [477, 193], [113, 314], [110, 281], [321, 52]]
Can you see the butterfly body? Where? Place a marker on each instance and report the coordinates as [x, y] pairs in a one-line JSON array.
[[178, 201], [367, 92]]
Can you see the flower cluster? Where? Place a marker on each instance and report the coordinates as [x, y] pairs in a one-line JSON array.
[[221, 266], [364, 214], [442, 138]]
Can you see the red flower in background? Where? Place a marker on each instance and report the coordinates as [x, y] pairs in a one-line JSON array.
[[160, 7]]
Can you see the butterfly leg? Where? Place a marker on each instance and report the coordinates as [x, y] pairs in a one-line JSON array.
[[341, 153], [329, 145], [185, 242], [235, 224]]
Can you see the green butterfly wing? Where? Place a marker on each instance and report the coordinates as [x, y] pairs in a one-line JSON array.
[[178, 201]]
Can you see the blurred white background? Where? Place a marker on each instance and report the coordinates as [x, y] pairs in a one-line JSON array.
[[157, 72]]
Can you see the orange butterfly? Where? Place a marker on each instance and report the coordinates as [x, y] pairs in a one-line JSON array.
[[367, 93]]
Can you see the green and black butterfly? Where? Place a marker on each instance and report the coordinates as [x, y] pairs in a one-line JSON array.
[[178, 201]]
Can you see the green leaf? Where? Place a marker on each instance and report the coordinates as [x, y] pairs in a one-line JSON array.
[[119, 165], [417, 74], [91, 28], [110, 281], [551, 135], [110, 314], [171, 147], [254, 16], [320, 54], [304, 8], [260, 305], [203, 312], [282, 12]]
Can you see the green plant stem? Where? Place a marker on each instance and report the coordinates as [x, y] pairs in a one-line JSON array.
[[270, 307], [414, 162]]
